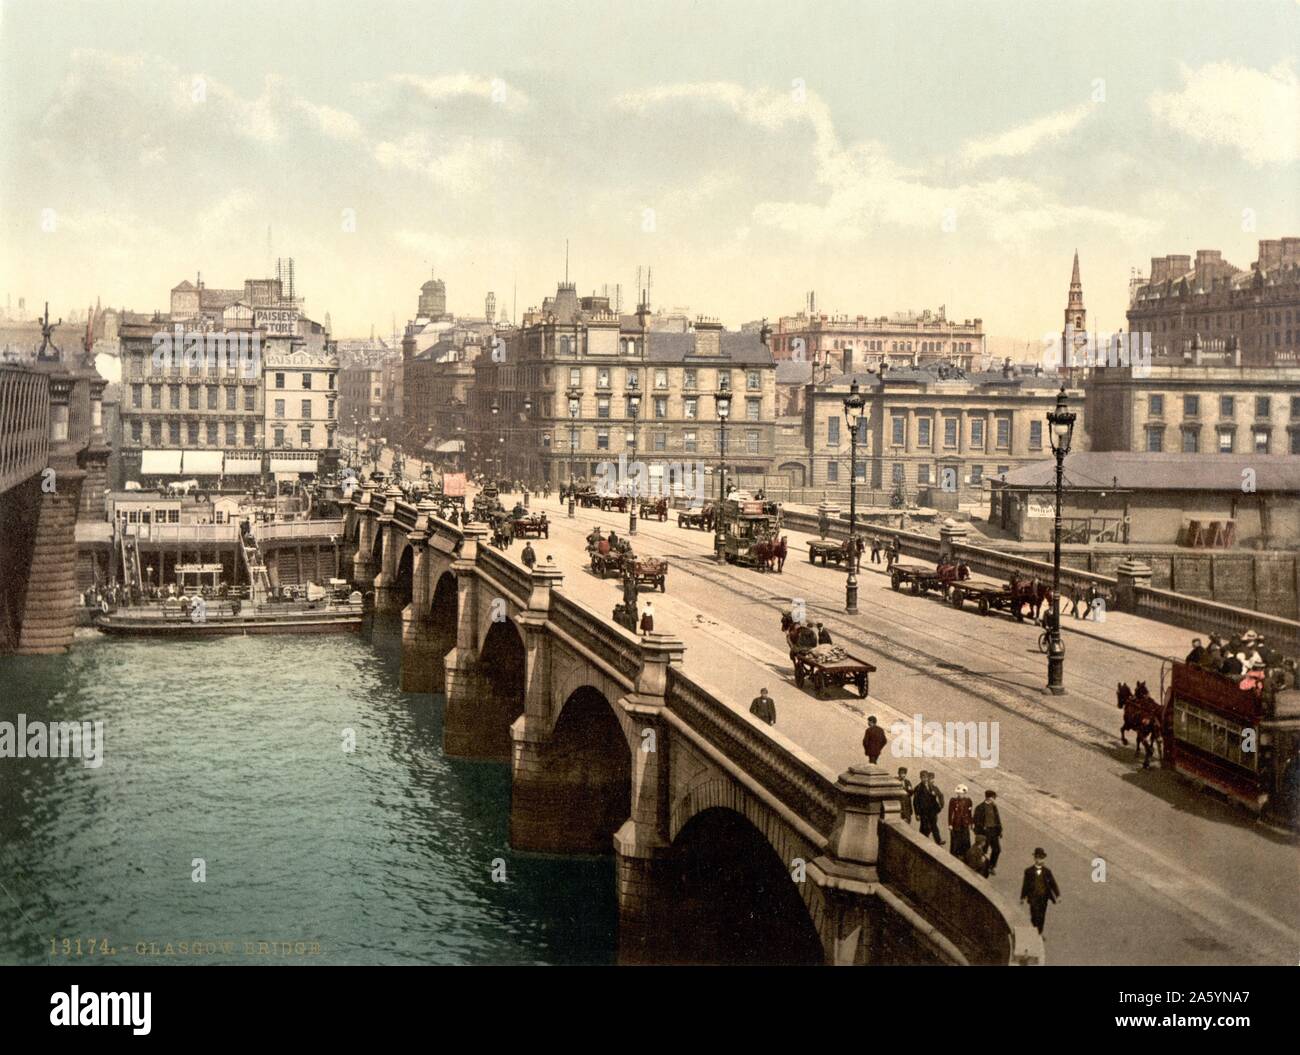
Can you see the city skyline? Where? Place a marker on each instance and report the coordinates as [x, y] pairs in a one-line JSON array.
[[160, 153]]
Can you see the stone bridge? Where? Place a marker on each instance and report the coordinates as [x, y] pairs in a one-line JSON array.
[[732, 844]]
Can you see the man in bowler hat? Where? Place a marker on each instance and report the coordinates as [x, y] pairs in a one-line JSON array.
[[1039, 887]]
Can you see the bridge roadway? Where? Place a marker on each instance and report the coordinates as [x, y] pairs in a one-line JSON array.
[[1175, 890]]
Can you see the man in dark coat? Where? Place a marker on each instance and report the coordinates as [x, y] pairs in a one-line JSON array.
[[763, 708], [875, 549], [1039, 887], [1198, 650], [906, 812], [873, 740], [988, 823], [928, 801], [528, 556], [824, 638]]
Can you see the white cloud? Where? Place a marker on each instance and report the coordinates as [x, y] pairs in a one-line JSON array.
[[1255, 112], [451, 86], [337, 124], [1026, 138]]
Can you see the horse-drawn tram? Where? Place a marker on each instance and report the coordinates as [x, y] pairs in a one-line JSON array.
[[748, 526], [921, 579], [1018, 597], [1240, 742]]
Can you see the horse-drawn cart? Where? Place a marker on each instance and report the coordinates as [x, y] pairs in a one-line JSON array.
[[921, 579], [828, 552], [1012, 597], [533, 526], [649, 571], [697, 518], [829, 665], [653, 509]]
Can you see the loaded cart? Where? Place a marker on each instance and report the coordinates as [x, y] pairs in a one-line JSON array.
[[828, 665]]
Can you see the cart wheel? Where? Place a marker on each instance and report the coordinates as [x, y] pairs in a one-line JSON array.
[[895, 582], [984, 606], [916, 586], [862, 686], [956, 597], [819, 683]]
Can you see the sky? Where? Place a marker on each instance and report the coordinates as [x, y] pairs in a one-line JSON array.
[[889, 156]]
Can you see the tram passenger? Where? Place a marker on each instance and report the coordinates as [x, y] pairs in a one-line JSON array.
[[1198, 650]]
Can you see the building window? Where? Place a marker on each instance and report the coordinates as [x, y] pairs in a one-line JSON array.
[[192, 433], [1155, 440], [249, 399], [832, 472], [212, 397], [1155, 406], [602, 407], [306, 380], [1191, 406], [279, 408], [633, 378], [329, 410], [602, 378], [661, 378], [575, 377], [279, 380], [690, 408], [305, 436], [923, 432], [688, 378], [212, 437], [279, 437], [751, 442], [660, 441], [754, 380], [1191, 441], [137, 430], [137, 395], [155, 397], [724, 380], [232, 396], [306, 409], [250, 434], [1225, 440], [155, 432], [1035, 435], [899, 472], [753, 409], [1004, 433], [602, 439], [174, 433], [1227, 406], [194, 397], [923, 474], [661, 406], [977, 474], [833, 432], [950, 432], [977, 433], [1262, 439], [174, 396], [1295, 406], [689, 443], [899, 426], [232, 434], [1263, 408], [1295, 441]]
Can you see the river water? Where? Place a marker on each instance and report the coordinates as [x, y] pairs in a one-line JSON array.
[[231, 750]]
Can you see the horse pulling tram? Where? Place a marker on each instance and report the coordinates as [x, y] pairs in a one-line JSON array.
[[1210, 725], [748, 524], [921, 579], [1009, 597]]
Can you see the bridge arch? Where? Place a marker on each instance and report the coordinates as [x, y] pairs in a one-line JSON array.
[[502, 659], [444, 614], [733, 899], [404, 581], [575, 791], [377, 548]]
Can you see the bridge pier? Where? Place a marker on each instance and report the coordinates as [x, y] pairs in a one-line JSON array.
[[418, 642], [468, 688], [386, 599], [49, 616], [364, 565]]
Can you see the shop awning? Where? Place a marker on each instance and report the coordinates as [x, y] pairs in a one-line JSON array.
[[204, 463], [293, 465], [286, 478], [160, 462], [243, 466]]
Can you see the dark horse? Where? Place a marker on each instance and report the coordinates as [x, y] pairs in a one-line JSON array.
[[1142, 715], [1032, 592], [771, 554]]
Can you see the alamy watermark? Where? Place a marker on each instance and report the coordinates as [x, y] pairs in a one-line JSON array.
[[84, 740], [1084, 350], [678, 479], [237, 351], [921, 739]]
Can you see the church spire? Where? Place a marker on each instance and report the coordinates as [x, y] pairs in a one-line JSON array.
[[1075, 313]]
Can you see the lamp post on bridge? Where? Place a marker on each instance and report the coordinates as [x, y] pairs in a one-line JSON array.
[[575, 407], [854, 403], [1060, 423], [633, 407], [722, 400]]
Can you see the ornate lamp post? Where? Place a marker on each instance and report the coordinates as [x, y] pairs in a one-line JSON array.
[[854, 403], [575, 407], [722, 399], [1060, 423], [528, 468], [633, 407], [496, 413]]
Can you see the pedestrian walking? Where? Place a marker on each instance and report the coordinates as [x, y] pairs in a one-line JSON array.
[[529, 557], [988, 824], [823, 524], [891, 555], [763, 707], [1038, 888], [927, 800], [905, 813], [960, 819], [647, 618], [875, 549], [977, 857], [873, 740]]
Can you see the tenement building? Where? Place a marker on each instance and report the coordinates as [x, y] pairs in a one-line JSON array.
[[904, 339], [1219, 304], [579, 384], [1209, 406], [937, 434], [361, 393]]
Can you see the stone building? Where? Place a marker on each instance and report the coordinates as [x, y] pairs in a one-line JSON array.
[[1226, 308], [854, 343], [361, 394], [1201, 408], [938, 432], [580, 348], [301, 401]]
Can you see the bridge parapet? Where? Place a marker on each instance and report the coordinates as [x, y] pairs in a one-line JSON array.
[[24, 424]]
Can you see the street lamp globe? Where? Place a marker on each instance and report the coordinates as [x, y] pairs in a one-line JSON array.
[[528, 405], [1061, 421], [723, 400], [495, 408]]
